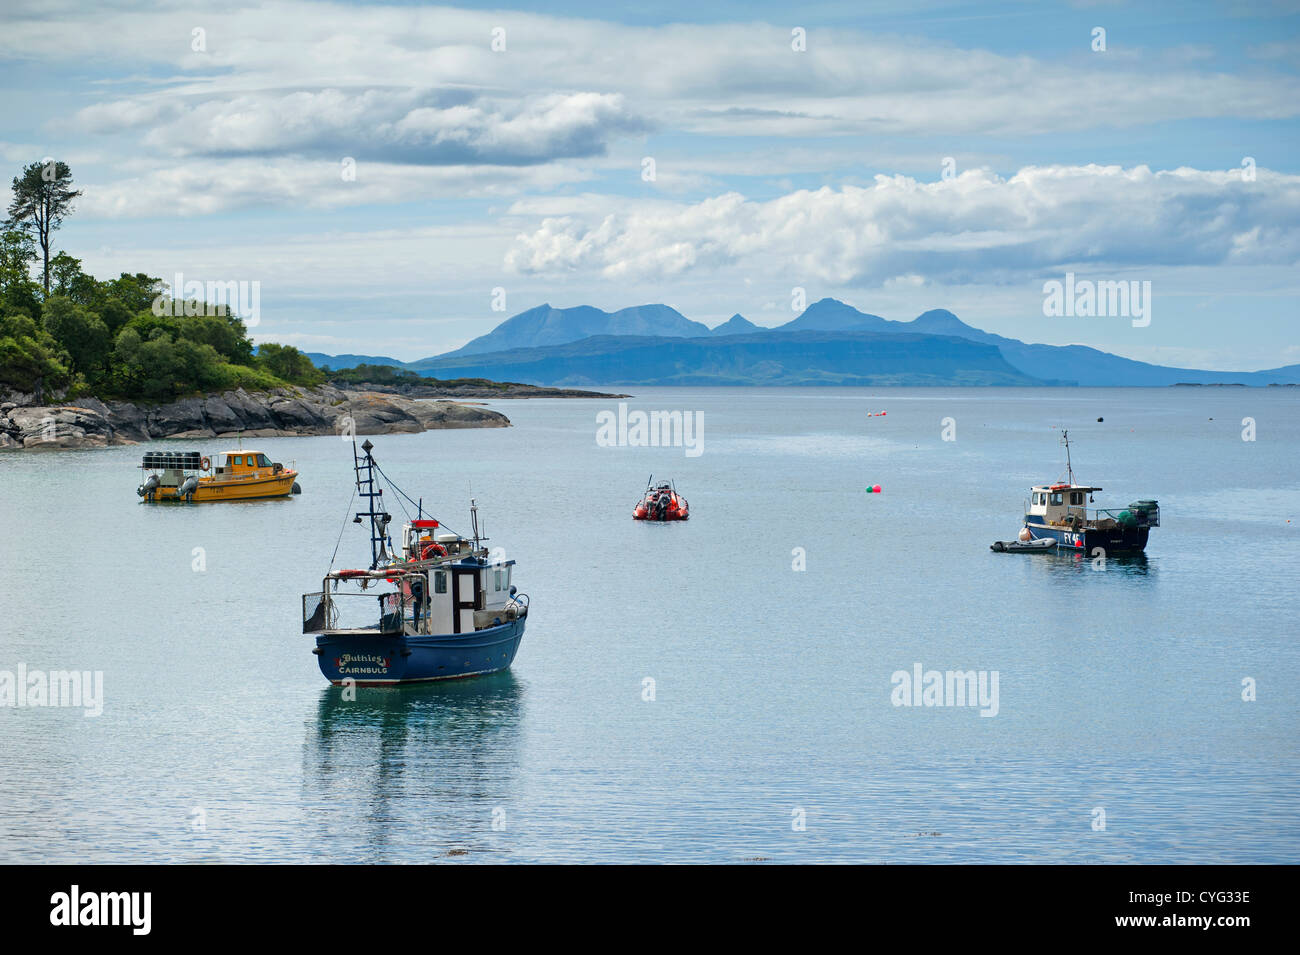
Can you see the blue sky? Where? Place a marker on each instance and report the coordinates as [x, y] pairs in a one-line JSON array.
[[775, 168]]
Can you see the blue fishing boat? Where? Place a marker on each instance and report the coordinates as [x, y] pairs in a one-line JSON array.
[[436, 607], [1059, 513]]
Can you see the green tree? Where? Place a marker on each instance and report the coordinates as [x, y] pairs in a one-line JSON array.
[[224, 333], [17, 290], [286, 362], [43, 196], [114, 314], [70, 281], [80, 331], [136, 292], [29, 357]]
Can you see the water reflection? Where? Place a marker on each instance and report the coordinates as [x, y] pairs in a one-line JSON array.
[[1070, 563], [428, 763]]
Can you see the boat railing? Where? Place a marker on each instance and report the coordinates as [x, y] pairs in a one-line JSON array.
[[519, 602], [380, 612], [1143, 517]]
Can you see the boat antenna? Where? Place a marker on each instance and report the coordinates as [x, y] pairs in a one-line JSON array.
[[473, 518], [365, 467]]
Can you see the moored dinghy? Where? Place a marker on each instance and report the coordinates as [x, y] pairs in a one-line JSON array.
[[1041, 546], [437, 608]]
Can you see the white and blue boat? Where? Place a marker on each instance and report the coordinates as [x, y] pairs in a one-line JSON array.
[[1059, 514], [439, 606]]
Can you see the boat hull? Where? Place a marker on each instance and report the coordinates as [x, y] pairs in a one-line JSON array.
[[375, 659], [1117, 540], [280, 485], [641, 515]]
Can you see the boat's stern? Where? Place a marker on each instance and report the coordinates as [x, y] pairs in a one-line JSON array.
[[383, 660]]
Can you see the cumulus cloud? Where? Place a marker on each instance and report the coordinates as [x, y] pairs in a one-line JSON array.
[[395, 125], [202, 187], [738, 78], [976, 228]]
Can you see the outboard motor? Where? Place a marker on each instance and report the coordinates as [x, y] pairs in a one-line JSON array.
[[188, 487], [147, 489]]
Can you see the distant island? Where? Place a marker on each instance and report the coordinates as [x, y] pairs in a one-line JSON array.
[[389, 379], [829, 343]]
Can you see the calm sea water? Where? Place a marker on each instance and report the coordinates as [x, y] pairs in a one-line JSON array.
[[771, 734]]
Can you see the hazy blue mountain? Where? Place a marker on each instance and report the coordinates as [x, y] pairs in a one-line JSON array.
[[1075, 364], [592, 351], [736, 325], [795, 358], [545, 325], [339, 362], [832, 315], [940, 321], [1286, 371]]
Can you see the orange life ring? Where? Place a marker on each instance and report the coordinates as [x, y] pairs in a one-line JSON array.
[[204, 462], [436, 549]]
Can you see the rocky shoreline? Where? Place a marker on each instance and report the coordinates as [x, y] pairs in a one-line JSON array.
[[284, 412]]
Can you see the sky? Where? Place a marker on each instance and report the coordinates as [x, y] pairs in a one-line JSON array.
[[401, 177]]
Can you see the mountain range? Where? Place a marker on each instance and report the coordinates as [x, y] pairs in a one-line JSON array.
[[829, 343]]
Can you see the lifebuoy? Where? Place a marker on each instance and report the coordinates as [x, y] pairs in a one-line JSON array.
[[432, 549], [352, 573], [204, 462]]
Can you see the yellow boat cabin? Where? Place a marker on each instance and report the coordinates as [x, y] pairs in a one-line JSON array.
[[234, 476]]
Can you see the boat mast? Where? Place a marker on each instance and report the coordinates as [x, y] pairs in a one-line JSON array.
[[379, 518], [1069, 468]]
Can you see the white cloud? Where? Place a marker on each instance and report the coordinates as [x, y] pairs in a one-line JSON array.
[[199, 187], [425, 127], [720, 78], [975, 228]]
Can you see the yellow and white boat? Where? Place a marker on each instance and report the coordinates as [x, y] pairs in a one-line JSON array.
[[191, 477]]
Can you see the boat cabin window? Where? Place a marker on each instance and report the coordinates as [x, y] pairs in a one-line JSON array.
[[1057, 498], [440, 582], [498, 580], [263, 461], [1076, 497]]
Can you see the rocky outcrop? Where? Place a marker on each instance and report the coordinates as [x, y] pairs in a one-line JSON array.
[[89, 422]]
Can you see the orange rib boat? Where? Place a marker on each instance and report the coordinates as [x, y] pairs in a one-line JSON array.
[[661, 503]]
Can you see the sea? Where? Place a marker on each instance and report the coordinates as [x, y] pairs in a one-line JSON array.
[[777, 680]]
